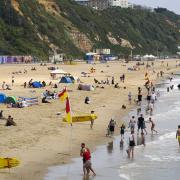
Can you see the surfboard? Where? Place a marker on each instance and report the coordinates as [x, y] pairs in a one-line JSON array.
[[8, 162], [81, 118]]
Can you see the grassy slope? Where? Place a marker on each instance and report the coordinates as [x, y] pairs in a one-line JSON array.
[[147, 31]]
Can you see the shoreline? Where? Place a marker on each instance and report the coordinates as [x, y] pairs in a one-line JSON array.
[[37, 163]]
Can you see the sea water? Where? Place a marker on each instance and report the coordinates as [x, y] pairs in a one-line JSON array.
[[158, 160]]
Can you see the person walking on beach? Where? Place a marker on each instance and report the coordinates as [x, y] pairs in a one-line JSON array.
[[87, 166], [12, 81], [130, 151], [139, 98], [178, 135], [152, 125], [122, 131], [130, 97], [112, 124], [132, 123], [139, 90], [148, 97], [92, 119], [141, 124], [112, 81], [150, 108], [123, 78], [153, 97]]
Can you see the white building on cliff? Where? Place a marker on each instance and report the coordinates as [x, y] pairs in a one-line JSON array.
[[103, 4], [120, 3]]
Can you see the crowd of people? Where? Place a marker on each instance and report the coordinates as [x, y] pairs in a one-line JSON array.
[[137, 123]]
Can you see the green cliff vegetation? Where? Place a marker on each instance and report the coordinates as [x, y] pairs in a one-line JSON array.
[[35, 30]]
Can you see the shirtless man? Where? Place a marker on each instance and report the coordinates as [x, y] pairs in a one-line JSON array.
[[132, 123], [152, 125], [87, 166], [178, 135]]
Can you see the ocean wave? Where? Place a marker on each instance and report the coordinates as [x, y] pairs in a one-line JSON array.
[[124, 176], [167, 136], [153, 158], [167, 158]]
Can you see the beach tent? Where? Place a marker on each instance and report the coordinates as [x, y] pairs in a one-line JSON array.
[[2, 98], [11, 99], [37, 84], [149, 57], [73, 78], [65, 79], [58, 72], [85, 87]]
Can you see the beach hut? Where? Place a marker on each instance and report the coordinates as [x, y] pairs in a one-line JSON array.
[[11, 100], [2, 98], [65, 79], [36, 84]]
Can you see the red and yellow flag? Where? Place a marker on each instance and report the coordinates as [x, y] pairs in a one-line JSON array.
[[68, 111], [63, 95]]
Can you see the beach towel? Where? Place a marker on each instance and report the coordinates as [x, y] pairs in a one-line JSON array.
[[30, 101]]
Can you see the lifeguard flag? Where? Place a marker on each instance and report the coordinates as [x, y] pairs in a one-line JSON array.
[[63, 95], [68, 112]]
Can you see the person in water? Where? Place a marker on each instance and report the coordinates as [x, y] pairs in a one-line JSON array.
[[130, 151], [152, 126], [178, 135], [122, 131], [85, 153]]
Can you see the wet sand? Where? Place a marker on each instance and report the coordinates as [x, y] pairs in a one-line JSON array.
[[41, 139]]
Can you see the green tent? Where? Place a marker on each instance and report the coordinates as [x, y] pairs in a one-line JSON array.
[[11, 100]]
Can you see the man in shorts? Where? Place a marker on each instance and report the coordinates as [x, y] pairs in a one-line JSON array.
[[112, 125], [140, 123], [130, 151], [152, 126], [132, 123], [85, 153]]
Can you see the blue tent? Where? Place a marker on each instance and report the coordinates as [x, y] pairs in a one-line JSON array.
[[65, 80], [37, 84], [2, 98]]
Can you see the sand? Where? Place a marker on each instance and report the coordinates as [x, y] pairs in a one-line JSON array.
[[40, 138]]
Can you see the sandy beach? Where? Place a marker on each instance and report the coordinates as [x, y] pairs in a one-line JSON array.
[[41, 139]]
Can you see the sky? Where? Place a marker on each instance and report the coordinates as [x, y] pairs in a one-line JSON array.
[[173, 5]]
